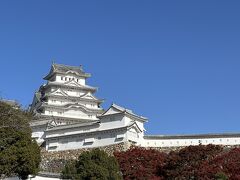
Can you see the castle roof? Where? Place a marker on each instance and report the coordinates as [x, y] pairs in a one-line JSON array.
[[73, 106], [65, 69], [116, 109], [68, 85], [74, 125]]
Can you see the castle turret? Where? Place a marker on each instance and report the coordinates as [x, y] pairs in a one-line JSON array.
[[66, 97]]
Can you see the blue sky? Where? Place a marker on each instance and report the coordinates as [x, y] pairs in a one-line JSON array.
[[175, 62]]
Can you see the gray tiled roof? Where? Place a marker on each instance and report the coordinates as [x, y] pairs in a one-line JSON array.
[[128, 111], [87, 87], [75, 105], [64, 68], [61, 68], [69, 126]]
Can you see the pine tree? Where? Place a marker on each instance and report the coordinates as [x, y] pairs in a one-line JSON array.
[[19, 153]]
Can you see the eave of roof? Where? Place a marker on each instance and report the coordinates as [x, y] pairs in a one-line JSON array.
[[86, 132], [72, 97], [75, 125], [129, 112], [86, 87], [63, 118], [72, 105], [65, 69], [124, 111]]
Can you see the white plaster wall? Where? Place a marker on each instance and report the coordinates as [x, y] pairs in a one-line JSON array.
[[62, 102], [81, 80], [43, 178], [76, 113], [133, 137], [72, 131], [117, 120], [140, 125], [71, 113], [38, 134], [34, 178], [78, 141]]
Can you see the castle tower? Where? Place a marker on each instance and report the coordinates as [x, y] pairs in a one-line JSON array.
[[66, 97]]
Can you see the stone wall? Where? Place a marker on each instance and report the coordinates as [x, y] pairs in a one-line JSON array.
[[55, 161]]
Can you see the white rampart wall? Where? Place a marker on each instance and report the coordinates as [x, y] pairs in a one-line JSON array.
[[158, 142], [89, 140]]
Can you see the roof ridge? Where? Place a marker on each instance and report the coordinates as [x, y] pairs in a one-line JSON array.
[[68, 65]]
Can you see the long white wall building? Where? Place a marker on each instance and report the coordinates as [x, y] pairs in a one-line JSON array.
[[67, 116]]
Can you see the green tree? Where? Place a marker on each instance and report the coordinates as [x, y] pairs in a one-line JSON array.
[[93, 165], [19, 153]]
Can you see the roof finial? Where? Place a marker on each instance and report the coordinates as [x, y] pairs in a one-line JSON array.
[[53, 61]]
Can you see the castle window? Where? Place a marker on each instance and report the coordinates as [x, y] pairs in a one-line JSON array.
[[64, 141], [52, 147], [79, 139], [111, 118], [61, 78], [77, 80], [65, 79]]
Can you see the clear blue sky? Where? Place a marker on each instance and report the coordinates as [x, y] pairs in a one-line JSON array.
[[175, 62]]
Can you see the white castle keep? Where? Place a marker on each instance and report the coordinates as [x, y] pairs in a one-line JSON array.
[[68, 116]]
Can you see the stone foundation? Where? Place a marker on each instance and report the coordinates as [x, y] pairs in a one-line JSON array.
[[55, 161]]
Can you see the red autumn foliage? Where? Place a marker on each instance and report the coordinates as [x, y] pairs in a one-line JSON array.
[[140, 163], [209, 162], [185, 163], [227, 163]]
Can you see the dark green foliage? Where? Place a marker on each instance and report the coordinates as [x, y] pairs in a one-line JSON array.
[[19, 153], [92, 165], [221, 176], [69, 170]]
